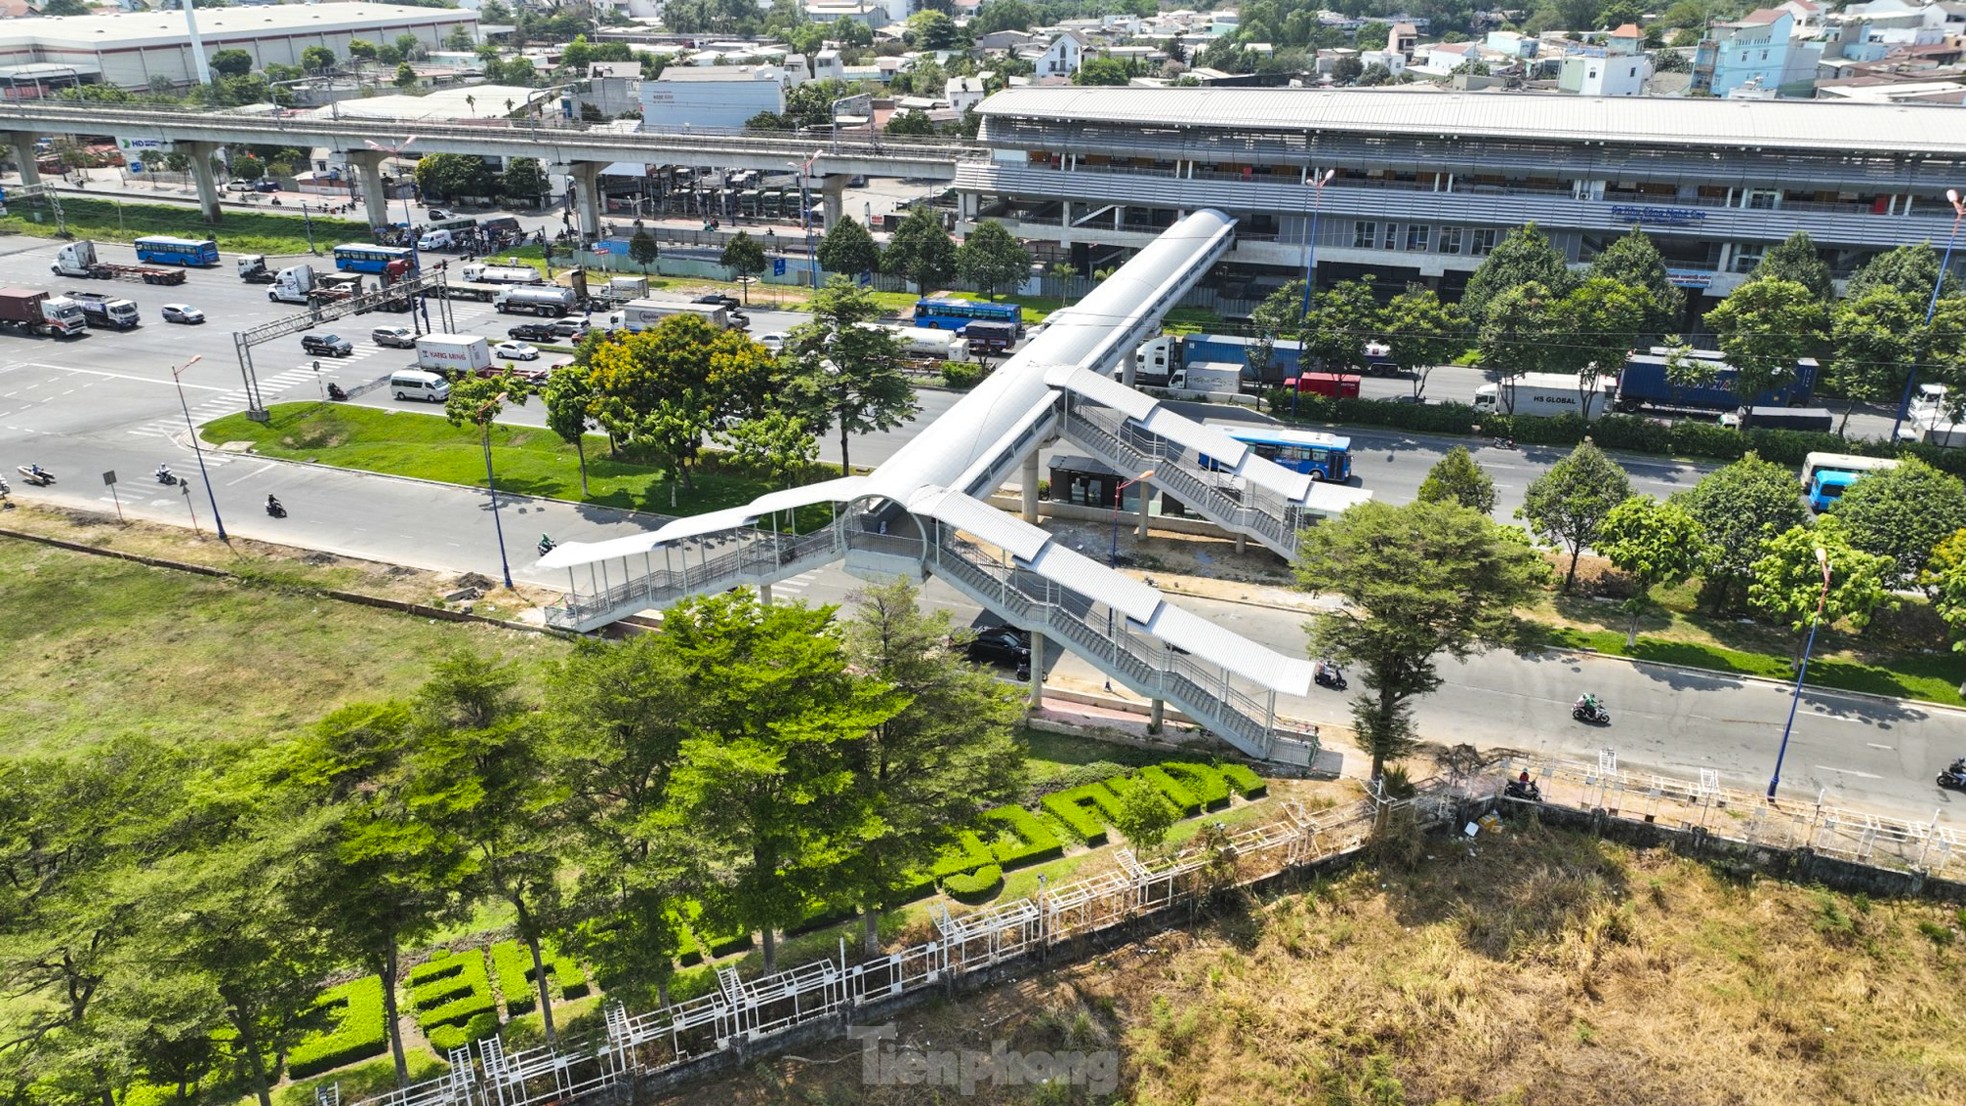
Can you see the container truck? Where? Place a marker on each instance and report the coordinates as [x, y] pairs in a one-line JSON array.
[[639, 315], [988, 337], [501, 274], [1202, 379], [941, 345], [79, 259], [1825, 476], [1335, 385], [453, 354], [1644, 383], [534, 299], [1158, 359], [1948, 435], [27, 311], [1781, 418], [1545, 394], [107, 311], [293, 284], [253, 269]]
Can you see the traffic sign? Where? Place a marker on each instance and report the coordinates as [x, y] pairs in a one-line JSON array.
[[777, 266]]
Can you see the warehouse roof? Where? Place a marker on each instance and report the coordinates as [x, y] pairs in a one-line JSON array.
[[167, 28], [1736, 124]]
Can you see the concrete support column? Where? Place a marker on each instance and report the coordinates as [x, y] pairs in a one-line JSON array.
[[832, 199], [764, 594], [586, 179], [1146, 493], [201, 172], [1242, 542], [22, 145], [1030, 479], [1156, 715], [368, 176], [1037, 670]]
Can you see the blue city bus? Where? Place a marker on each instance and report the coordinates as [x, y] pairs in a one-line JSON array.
[[957, 314], [1322, 456], [164, 250], [354, 257]]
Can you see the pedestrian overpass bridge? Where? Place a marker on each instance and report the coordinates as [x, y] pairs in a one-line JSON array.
[[923, 513]]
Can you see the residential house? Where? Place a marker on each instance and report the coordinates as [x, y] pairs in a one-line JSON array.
[[1625, 41], [997, 42], [1605, 75], [719, 97], [1401, 38], [1060, 57], [1756, 52], [963, 93]]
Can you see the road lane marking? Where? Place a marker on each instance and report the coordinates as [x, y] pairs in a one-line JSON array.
[[249, 475], [1850, 772], [120, 376], [1886, 748]]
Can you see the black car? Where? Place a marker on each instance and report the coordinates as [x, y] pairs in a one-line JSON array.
[[1003, 646], [719, 298], [532, 332], [331, 344]]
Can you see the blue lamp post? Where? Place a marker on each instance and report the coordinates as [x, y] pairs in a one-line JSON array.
[[1774, 781], [1931, 305], [1310, 271]]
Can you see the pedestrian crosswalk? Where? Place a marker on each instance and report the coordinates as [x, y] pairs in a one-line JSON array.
[[792, 587], [272, 389]]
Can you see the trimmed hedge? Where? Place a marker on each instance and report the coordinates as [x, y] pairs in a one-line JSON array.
[[357, 1033], [967, 854], [1035, 841], [1177, 793], [1201, 780], [1085, 810], [451, 989], [446, 1038], [1247, 783], [980, 886], [512, 964]]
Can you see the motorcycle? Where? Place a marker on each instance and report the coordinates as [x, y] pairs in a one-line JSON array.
[[39, 477], [167, 478], [546, 545], [1585, 710], [1527, 792], [1502, 443], [1326, 674], [335, 392], [274, 508], [1954, 777]]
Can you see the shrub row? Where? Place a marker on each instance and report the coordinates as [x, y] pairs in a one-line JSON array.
[[356, 1029], [1632, 433], [1023, 839], [512, 964], [967, 854], [1246, 782], [1202, 781], [980, 886], [1084, 810], [451, 989], [446, 1039], [1176, 792]]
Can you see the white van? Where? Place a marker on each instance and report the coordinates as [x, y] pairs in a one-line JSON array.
[[413, 384], [436, 240]]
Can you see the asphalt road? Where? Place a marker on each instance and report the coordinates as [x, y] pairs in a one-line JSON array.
[[107, 402]]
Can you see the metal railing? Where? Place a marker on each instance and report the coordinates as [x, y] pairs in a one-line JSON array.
[[759, 557]]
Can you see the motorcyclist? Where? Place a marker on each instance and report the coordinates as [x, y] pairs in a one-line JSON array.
[[164, 473], [273, 506], [546, 544], [34, 470]]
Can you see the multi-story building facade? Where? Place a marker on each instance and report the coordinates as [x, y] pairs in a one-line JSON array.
[[1424, 184]]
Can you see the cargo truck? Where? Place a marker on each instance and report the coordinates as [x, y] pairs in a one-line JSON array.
[[639, 315], [535, 299], [453, 354], [940, 345], [1825, 476], [107, 311], [1544, 394], [27, 311], [1644, 383], [501, 274], [1203, 380], [79, 259], [1158, 359], [988, 337], [1335, 385]]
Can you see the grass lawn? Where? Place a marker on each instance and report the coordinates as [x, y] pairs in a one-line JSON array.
[[238, 232], [529, 460]]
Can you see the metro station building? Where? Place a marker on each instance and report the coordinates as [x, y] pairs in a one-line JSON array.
[[1424, 183]]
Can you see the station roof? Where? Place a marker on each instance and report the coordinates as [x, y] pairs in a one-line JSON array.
[[123, 30], [1732, 124]]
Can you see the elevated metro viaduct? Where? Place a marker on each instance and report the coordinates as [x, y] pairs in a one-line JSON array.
[[579, 150], [923, 512]]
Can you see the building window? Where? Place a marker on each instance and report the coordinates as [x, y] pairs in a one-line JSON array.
[[1391, 240], [1746, 258], [1416, 237], [1450, 239], [1764, 199], [1362, 235], [1481, 242]]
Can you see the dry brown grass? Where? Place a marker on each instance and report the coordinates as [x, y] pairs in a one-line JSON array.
[[1542, 967]]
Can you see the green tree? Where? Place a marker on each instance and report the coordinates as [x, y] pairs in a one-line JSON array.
[[452, 176], [1347, 70], [911, 121], [1144, 814], [518, 71], [764, 781], [317, 59], [1342, 317], [1421, 581], [991, 259], [1654, 543], [666, 388], [1903, 514], [1911, 270], [405, 76], [460, 40], [921, 251], [1765, 327], [848, 248], [1002, 15], [1568, 502], [364, 49], [849, 374], [524, 179], [923, 775], [1739, 508], [1597, 326], [1525, 256], [1876, 338], [1373, 76], [1788, 579], [1518, 332], [642, 249], [744, 256], [1102, 71], [1423, 332], [1796, 259], [1949, 600], [567, 396], [1636, 263], [1459, 479], [231, 63], [932, 30], [410, 46]]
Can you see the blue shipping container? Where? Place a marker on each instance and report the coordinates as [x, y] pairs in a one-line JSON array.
[[1643, 383]]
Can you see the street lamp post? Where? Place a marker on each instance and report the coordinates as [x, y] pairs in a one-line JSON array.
[[1310, 240], [491, 482], [1774, 781], [805, 212], [1931, 306], [1113, 554], [177, 375]]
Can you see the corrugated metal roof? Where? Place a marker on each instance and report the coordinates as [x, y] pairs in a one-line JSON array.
[[1102, 390], [1333, 499], [574, 553], [1096, 582], [1017, 537], [1813, 125], [1231, 650]]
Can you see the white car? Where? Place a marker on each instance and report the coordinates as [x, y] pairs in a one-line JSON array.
[[181, 313], [775, 342], [515, 351]]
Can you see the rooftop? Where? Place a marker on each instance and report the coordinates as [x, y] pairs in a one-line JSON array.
[[165, 28], [1735, 124]]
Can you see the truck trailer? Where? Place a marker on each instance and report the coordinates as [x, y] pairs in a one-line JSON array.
[[1644, 383], [1158, 359], [1334, 385], [1816, 419], [501, 274], [941, 345], [639, 315], [453, 354], [79, 259], [1546, 395], [108, 311], [535, 299], [28, 311]]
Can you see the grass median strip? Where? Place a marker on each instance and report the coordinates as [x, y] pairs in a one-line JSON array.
[[239, 232], [528, 460], [1933, 678]]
